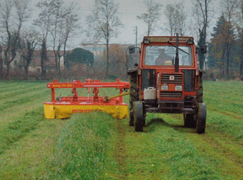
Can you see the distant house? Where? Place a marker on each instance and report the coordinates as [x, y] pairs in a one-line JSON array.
[[99, 49], [35, 65], [49, 63], [14, 63]]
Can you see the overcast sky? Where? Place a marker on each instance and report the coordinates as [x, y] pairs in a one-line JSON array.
[[128, 11]]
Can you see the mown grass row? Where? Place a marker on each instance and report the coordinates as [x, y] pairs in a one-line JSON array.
[[9, 85], [22, 100], [14, 85], [224, 96], [175, 152], [225, 108], [225, 124], [20, 91], [80, 150], [14, 131]]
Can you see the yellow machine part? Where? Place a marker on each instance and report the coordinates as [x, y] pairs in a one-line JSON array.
[[65, 111]]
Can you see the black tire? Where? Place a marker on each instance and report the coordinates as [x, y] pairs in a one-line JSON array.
[[189, 121], [144, 123], [131, 118], [201, 118], [200, 94], [138, 116], [144, 116]]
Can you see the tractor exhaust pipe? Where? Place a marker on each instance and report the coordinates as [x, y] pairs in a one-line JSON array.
[[177, 57]]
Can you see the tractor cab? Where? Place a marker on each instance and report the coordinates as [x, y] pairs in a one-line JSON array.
[[167, 80]]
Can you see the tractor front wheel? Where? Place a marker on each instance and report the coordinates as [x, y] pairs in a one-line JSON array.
[[201, 118], [131, 118], [189, 121], [138, 116]]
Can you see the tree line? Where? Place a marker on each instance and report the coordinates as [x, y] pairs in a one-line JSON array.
[[226, 45], [57, 23]]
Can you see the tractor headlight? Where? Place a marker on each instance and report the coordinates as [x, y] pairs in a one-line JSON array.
[[164, 87], [178, 88]]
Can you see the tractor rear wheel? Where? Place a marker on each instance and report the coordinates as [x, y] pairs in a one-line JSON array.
[[201, 118], [138, 116], [189, 121]]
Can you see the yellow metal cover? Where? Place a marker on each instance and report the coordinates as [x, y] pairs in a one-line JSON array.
[[65, 111]]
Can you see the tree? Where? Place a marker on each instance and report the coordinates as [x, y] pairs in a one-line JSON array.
[[103, 24], [152, 15], [70, 25], [57, 23], [202, 12], [176, 17], [13, 13], [118, 57], [80, 56], [222, 41], [240, 33], [43, 22], [229, 11], [216, 56], [56, 29], [29, 41], [240, 36]]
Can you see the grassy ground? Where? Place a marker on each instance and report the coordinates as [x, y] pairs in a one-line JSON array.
[[95, 146]]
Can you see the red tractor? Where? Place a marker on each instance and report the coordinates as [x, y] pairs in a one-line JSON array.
[[167, 80]]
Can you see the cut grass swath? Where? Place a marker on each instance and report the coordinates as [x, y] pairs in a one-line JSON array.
[[80, 150], [15, 130]]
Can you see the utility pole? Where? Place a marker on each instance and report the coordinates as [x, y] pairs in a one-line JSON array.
[[136, 32]]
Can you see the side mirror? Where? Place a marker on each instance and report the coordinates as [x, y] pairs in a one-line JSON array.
[[131, 49], [203, 49]]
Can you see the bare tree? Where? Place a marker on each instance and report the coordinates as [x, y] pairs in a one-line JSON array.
[[152, 15], [229, 8], [56, 30], [71, 25], [29, 41], [43, 22], [13, 14], [103, 24], [58, 22], [176, 17], [202, 11]]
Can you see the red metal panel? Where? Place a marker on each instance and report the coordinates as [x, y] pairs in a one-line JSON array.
[[95, 85]]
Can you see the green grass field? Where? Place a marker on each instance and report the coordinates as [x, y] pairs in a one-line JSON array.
[[96, 146]]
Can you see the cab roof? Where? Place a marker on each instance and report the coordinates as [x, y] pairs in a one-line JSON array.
[[158, 39]]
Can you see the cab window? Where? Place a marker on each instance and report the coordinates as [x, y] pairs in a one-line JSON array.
[[165, 55]]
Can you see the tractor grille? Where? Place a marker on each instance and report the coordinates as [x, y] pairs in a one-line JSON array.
[[165, 79], [171, 94]]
